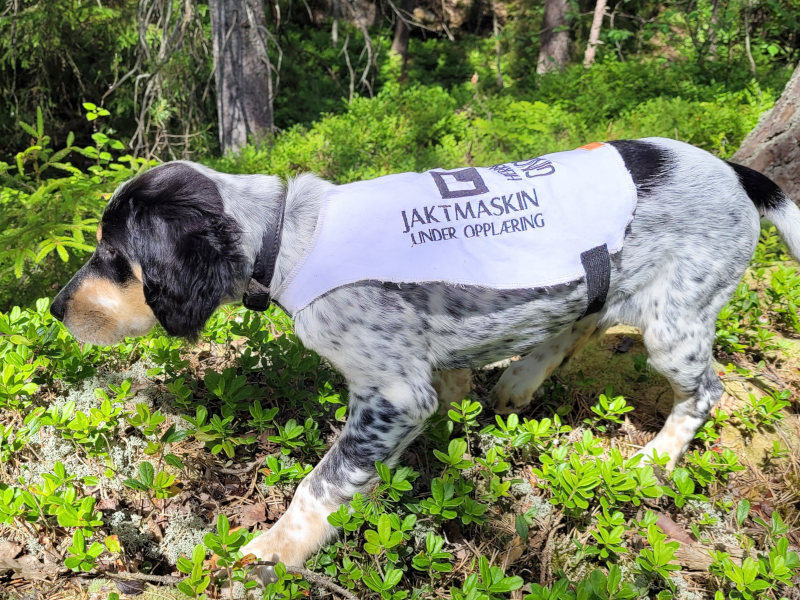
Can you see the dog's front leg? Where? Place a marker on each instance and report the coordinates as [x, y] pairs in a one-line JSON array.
[[383, 420]]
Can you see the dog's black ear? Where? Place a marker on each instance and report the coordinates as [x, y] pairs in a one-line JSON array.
[[186, 245], [185, 283]]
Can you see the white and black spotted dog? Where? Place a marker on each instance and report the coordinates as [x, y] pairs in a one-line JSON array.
[[181, 239]]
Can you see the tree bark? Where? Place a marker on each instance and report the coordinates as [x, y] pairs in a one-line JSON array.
[[712, 30], [594, 33], [747, 49], [773, 147], [402, 32], [243, 72], [554, 51], [497, 49]]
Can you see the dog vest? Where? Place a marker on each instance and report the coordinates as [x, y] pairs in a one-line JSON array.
[[534, 223]]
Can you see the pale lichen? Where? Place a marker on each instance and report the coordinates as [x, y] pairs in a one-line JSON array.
[[182, 535]]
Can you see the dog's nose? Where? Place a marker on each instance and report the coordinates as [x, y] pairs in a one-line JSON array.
[[58, 307]]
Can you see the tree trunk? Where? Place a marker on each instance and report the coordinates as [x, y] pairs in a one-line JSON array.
[[594, 33], [497, 49], [747, 49], [401, 33], [773, 147], [243, 72], [554, 50], [712, 30]]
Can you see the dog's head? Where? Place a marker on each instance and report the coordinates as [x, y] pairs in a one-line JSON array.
[[167, 252]]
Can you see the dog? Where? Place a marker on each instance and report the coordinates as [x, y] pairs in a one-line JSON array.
[[179, 240]]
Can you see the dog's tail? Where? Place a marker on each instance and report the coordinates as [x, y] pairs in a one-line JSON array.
[[773, 205]]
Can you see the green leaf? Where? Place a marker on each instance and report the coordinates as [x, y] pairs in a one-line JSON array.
[[392, 578], [78, 542], [62, 252], [742, 511], [95, 550], [173, 461], [67, 516], [384, 528], [223, 526], [507, 584], [146, 474], [483, 566], [28, 129], [135, 484], [184, 565], [112, 543], [383, 471]]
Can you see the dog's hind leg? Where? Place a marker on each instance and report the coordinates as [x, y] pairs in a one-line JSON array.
[[451, 386], [682, 354], [516, 386], [678, 323]]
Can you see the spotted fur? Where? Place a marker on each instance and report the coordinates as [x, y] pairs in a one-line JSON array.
[[187, 238]]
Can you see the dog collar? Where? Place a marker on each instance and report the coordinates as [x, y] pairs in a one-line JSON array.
[[257, 296]]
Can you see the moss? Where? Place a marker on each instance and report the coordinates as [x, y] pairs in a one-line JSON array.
[[528, 500], [131, 535], [562, 559], [182, 535], [682, 588], [695, 509], [52, 448]]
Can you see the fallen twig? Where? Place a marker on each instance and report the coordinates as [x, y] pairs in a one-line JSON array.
[[170, 579], [241, 470], [323, 581]]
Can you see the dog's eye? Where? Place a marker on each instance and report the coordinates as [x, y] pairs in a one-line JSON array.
[[107, 252]]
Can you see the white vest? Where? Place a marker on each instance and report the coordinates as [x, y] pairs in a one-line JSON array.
[[514, 225]]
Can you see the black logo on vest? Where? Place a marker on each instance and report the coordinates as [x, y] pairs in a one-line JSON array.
[[459, 184]]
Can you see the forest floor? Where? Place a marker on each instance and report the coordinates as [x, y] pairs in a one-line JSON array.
[[145, 530]]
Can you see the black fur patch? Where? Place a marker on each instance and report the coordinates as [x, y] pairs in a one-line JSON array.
[[109, 263], [106, 263], [171, 221], [764, 193], [646, 162]]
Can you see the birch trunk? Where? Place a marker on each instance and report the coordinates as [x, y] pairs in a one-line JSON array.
[[594, 33]]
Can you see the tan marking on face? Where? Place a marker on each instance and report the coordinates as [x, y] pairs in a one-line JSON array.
[[102, 312], [99, 232]]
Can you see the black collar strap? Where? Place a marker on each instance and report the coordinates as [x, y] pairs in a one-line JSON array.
[[257, 296]]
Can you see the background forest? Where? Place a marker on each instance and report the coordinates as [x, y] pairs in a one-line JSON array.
[[142, 459], [351, 87]]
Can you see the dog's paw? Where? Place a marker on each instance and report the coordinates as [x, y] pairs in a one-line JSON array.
[[267, 547], [661, 449], [298, 534], [511, 396]]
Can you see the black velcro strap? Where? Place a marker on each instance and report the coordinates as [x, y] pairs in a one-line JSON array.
[[256, 297], [597, 265]]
